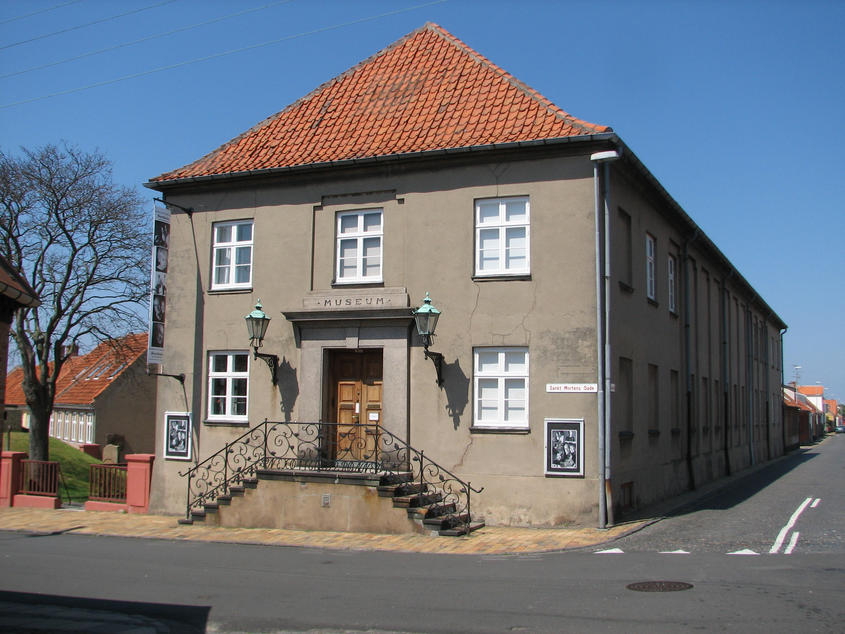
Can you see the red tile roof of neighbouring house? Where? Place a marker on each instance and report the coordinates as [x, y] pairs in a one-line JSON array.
[[427, 91], [83, 378], [811, 390]]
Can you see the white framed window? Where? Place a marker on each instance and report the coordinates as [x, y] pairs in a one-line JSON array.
[[52, 430], [672, 264], [232, 255], [500, 377], [89, 436], [228, 385], [650, 252], [359, 246], [502, 236], [73, 426]]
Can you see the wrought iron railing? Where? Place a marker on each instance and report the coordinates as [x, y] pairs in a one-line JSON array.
[[334, 447], [107, 483]]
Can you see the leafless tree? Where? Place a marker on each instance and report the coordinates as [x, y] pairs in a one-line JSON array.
[[83, 243]]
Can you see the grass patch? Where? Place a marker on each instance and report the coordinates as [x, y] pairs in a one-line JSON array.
[[74, 464]]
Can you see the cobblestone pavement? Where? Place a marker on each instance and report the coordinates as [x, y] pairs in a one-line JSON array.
[[487, 540]]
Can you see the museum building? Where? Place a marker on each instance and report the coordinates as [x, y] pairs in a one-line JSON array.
[[469, 291]]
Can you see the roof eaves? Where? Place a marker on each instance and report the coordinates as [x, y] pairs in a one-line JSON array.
[[370, 160]]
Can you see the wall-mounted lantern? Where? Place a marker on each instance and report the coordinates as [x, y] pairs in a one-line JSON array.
[[426, 317], [256, 325]]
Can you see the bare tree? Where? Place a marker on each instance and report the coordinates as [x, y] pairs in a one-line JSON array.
[[83, 243]]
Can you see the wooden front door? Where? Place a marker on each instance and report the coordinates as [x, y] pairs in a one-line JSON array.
[[355, 401]]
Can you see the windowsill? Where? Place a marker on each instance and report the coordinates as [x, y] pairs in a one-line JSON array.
[[653, 433], [500, 277], [499, 430], [626, 435], [653, 302], [625, 287], [676, 431], [228, 291], [226, 423], [673, 314], [358, 284]]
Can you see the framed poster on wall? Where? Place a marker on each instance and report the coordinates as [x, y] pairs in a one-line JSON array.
[[564, 447], [177, 435]]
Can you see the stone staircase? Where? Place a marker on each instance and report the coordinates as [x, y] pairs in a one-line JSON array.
[[424, 505]]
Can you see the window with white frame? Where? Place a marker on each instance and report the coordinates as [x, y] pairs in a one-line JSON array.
[[89, 437], [359, 246], [232, 255], [672, 264], [650, 273], [501, 387], [228, 382], [502, 236]]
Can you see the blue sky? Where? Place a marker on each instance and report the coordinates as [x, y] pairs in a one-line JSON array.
[[735, 106]]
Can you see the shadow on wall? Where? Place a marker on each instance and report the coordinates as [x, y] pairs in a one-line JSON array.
[[288, 387], [456, 386]]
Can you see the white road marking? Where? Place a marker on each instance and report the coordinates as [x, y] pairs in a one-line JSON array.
[[674, 552], [815, 503], [783, 532], [610, 551], [744, 551], [791, 545]]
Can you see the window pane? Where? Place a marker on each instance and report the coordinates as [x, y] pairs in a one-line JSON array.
[[514, 400], [218, 387], [348, 262], [488, 399], [488, 361], [219, 363], [488, 244], [243, 255], [218, 406], [372, 222], [222, 257], [516, 248], [239, 387], [349, 223], [372, 257], [488, 212], [515, 211], [245, 232], [238, 406], [224, 234], [242, 274], [515, 362], [241, 362]]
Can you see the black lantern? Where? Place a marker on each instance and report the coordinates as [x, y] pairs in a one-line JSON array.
[[256, 326], [426, 317]]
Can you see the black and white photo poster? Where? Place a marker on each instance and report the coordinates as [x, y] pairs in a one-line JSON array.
[[158, 283], [177, 435], [564, 447]]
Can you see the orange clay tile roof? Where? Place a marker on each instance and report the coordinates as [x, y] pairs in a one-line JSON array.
[[811, 390], [427, 91], [83, 378]]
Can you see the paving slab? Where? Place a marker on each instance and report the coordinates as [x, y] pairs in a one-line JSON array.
[[489, 540]]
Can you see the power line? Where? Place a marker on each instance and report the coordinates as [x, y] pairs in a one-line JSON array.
[[223, 54], [81, 26], [143, 39], [29, 15]]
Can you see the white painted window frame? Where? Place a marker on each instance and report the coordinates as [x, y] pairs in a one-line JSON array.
[[650, 266], [229, 375], [502, 225], [501, 376], [231, 247], [358, 236], [672, 268]]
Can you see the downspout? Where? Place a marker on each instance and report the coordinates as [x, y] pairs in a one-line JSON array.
[[687, 353], [602, 200], [726, 377], [767, 381]]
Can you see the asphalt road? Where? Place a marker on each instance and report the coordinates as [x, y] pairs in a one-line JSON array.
[[64, 582]]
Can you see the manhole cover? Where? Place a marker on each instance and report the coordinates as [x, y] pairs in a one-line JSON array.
[[659, 586]]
